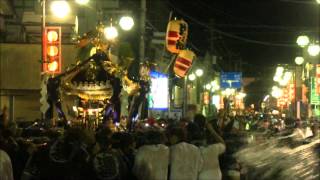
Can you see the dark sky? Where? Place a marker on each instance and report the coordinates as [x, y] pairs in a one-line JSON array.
[[276, 23]]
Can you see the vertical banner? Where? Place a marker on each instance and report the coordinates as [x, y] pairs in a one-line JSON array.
[[51, 49], [318, 79]]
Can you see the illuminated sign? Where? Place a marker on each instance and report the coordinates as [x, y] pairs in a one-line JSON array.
[[159, 94], [231, 80], [216, 101], [318, 79], [314, 97]]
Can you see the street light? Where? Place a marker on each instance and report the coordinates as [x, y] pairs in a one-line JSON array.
[[82, 2], [313, 49], [299, 60], [60, 8], [279, 70], [303, 41], [110, 32], [199, 72], [215, 88], [318, 1], [214, 83], [126, 23], [192, 77], [208, 86]]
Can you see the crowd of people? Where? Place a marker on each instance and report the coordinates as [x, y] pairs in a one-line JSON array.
[[176, 150], [162, 149]]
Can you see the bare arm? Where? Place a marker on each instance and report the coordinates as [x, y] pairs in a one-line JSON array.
[[214, 134]]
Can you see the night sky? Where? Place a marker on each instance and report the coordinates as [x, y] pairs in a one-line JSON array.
[[275, 24]]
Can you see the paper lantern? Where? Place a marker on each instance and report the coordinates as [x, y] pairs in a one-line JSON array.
[[183, 63], [176, 37]]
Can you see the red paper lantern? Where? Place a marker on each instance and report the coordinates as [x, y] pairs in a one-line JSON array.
[[183, 63], [176, 37], [52, 50]]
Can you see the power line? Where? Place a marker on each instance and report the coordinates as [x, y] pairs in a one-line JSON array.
[[231, 35], [208, 6], [291, 28], [299, 2]]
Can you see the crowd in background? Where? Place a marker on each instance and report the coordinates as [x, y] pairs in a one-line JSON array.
[[161, 149]]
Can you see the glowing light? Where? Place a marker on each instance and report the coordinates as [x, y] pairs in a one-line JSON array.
[[199, 72], [158, 96], [82, 2], [318, 1], [279, 73], [60, 8], [299, 60], [126, 23], [279, 70], [52, 36], [192, 77], [282, 82], [215, 99], [53, 66], [208, 86], [287, 76], [52, 50], [303, 41], [110, 32], [276, 78], [241, 95], [214, 83], [276, 92], [228, 91], [313, 49]]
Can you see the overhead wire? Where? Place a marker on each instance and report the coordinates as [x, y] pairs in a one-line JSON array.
[[226, 51], [208, 6], [228, 34], [299, 2], [249, 24]]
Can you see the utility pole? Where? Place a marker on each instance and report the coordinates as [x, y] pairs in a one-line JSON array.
[[298, 90], [142, 29], [185, 97], [43, 76], [43, 26]]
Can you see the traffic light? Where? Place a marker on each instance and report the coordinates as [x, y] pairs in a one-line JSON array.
[[51, 50]]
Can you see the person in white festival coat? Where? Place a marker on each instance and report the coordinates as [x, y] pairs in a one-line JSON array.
[[152, 160], [202, 134], [5, 166], [185, 159], [210, 154]]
